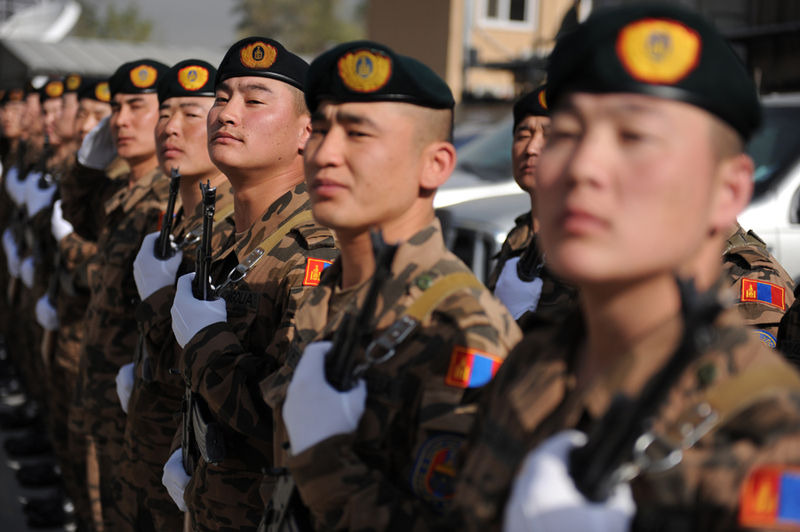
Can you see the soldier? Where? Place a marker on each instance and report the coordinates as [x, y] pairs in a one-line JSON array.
[[641, 179], [257, 129], [149, 391], [116, 214], [384, 452], [520, 279]]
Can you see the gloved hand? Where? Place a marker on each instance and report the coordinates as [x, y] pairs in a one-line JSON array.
[[150, 273], [37, 198], [517, 295], [124, 380], [15, 187], [58, 225], [191, 315], [27, 269], [175, 478], [97, 149], [12, 255], [46, 314], [314, 410], [544, 497]]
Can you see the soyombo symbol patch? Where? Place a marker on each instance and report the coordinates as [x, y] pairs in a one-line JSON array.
[[258, 55], [314, 269], [658, 50], [470, 368], [769, 498], [365, 70], [763, 292]]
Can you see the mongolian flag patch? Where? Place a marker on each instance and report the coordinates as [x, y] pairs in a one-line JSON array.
[[770, 498], [763, 292], [314, 269], [470, 368]]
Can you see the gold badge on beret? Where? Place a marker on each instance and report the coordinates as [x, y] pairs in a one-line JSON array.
[[73, 82], [365, 70], [54, 89], [192, 77], [542, 99], [102, 92], [658, 50], [143, 76], [16, 95], [258, 55]]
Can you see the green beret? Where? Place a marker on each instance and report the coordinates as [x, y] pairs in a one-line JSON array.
[[532, 104], [365, 71], [262, 57], [659, 50], [192, 77], [95, 89], [136, 77], [72, 82], [53, 89]]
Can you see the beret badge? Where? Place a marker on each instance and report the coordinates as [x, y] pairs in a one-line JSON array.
[[542, 99], [102, 92], [658, 50], [258, 55], [365, 70], [143, 76], [73, 82], [54, 89], [192, 77]]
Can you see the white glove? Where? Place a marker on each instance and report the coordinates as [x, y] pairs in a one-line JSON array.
[[97, 149], [15, 187], [124, 380], [518, 295], [27, 269], [175, 478], [46, 314], [544, 497], [191, 315], [37, 198], [314, 410], [58, 225], [150, 273], [12, 255]]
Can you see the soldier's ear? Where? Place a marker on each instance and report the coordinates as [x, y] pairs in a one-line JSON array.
[[305, 133], [733, 190], [439, 160]]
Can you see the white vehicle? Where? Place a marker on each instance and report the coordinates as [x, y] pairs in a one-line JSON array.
[[774, 211]]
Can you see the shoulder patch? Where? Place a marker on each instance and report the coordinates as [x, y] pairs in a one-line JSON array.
[[470, 368], [767, 337], [768, 498], [433, 475], [314, 269], [764, 292]]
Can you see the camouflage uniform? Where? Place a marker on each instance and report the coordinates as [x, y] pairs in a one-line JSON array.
[[534, 396], [117, 216], [515, 243], [155, 402], [789, 332], [225, 361], [419, 406], [762, 288]]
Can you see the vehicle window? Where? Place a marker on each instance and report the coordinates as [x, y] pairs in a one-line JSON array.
[[489, 155], [775, 146]]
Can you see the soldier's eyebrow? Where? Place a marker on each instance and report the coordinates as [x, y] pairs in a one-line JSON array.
[[255, 87], [354, 119]]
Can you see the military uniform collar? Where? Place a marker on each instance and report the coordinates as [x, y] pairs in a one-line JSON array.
[[127, 198]]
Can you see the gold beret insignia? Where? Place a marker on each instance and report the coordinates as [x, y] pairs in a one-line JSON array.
[[102, 92], [73, 82], [542, 100], [16, 95], [365, 70], [658, 50], [143, 76], [258, 55], [192, 77], [54, 89]]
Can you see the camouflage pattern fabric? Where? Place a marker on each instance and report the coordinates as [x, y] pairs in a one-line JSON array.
[[534, 396], [515, 243], [225, 362], [399, 466]]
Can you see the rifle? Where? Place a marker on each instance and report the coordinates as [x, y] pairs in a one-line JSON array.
[[163, 245], [201, 286], [354, 330], [597, 467]]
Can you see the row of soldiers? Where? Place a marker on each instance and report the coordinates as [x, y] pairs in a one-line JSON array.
[[246, 316]]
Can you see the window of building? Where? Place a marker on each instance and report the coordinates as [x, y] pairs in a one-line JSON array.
[[509, 13]]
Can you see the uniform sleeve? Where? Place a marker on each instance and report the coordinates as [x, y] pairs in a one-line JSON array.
[[83, 192]]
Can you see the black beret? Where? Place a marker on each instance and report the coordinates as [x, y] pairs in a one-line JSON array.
[[136, 77], [365, 71], [72, 82], [660, 50], [95, 89], [532, 104], [12, 95], [53, 89], [192, 77], [262, 57]]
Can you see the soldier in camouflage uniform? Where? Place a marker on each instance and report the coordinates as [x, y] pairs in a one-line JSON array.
[[116, 214], [641, 179], [382, 453], [762, 288], [232, 343], [520, 278], [150, 391]]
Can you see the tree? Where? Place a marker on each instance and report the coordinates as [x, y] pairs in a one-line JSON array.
[[303, 26], [125, 24]]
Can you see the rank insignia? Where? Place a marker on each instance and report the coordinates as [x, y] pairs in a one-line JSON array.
[[434, 473], [314, 269], [54, 89], [258, 55], [542, 100], [365, 70], [658, 50], [192, 77], [764, 292], [102, 92], [143, 76], [768, 498], [470, 368], [73, 82]]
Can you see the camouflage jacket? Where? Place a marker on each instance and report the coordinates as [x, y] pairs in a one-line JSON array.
[[515, 243], [397, 468], [762, 288], [789, 331], [534, 396]]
